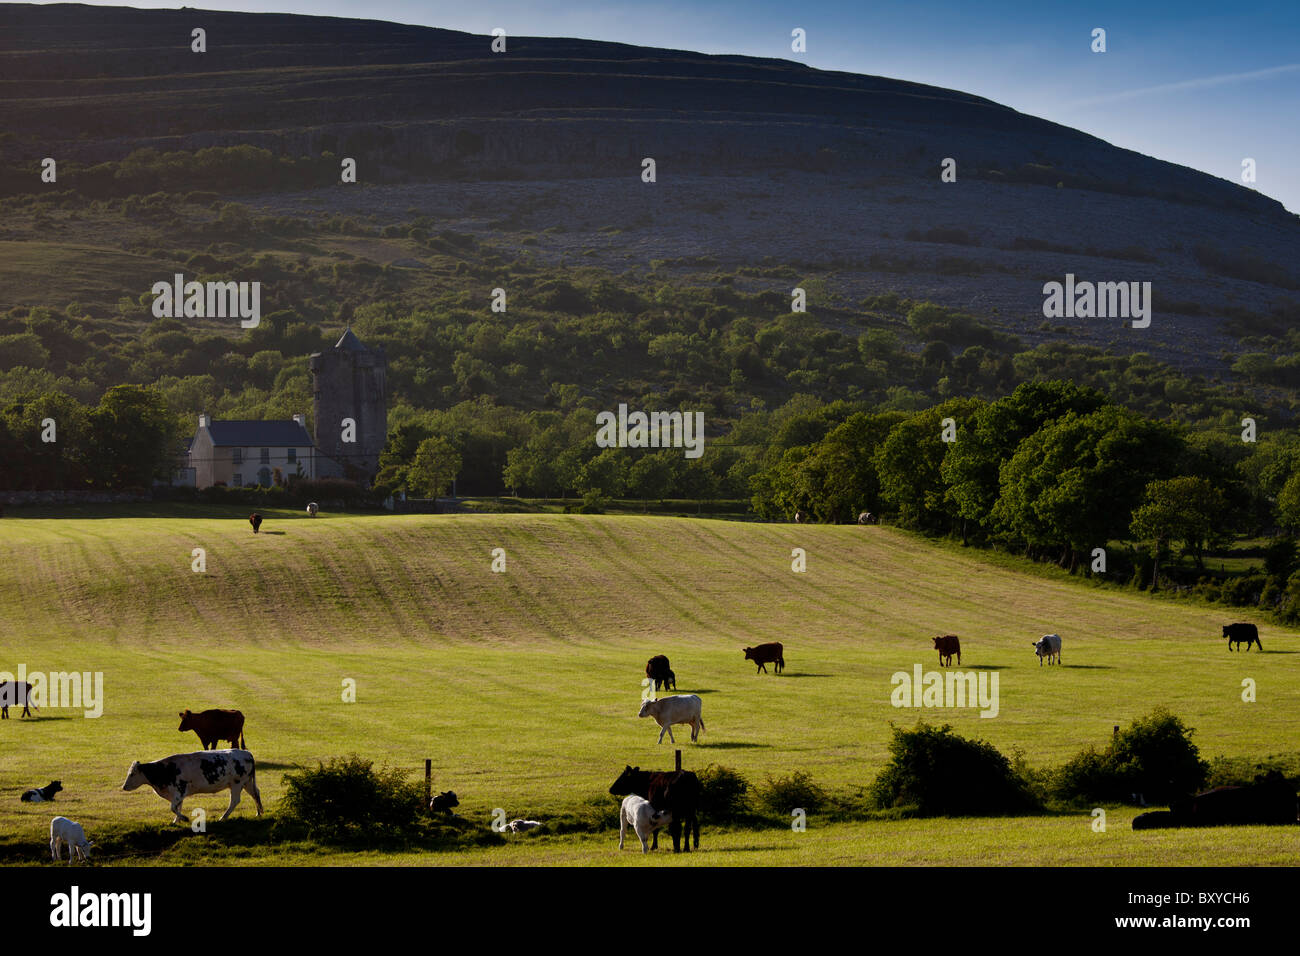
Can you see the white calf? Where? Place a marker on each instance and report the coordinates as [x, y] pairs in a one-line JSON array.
[[644, 819], [63, 830], [680, 709]]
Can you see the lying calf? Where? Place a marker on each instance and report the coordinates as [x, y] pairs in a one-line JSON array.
[[644, 818], [41, 794]]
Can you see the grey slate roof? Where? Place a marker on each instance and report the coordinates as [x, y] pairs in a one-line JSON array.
[[350, 342], [286, 434]]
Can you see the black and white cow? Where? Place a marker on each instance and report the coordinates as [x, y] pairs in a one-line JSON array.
[[210, 771]]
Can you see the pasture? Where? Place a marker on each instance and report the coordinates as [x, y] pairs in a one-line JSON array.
[[523, 686]]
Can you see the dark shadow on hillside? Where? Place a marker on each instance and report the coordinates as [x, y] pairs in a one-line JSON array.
[[785, 674], [985, 667], [34, 718], [267, 765], [272, 532], [1089, 667], [732, 745], [702, 690]]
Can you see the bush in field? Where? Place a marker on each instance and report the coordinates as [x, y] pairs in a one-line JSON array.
[[724, 795], [934, 772], [347, 797], [781, 795], [1154, 756]]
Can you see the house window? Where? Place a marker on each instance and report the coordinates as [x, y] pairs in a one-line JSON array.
[[293, 455], [237, 456], [239, 480], [264, 477], [266, 456]]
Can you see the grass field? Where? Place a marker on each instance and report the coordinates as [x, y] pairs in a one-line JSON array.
[[522, 687]]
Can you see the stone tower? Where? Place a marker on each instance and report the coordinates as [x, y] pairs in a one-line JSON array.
[[349, 381]]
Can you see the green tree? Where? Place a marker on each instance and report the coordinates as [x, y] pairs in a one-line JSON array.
[[134, 438], [435, 465], [1186, 509]]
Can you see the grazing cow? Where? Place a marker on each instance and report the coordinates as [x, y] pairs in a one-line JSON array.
[[444, 801], [679, 709], [522, 826], [1269, 800], [677, 791], [12, 693], [657, 670], [42, 794], [64, 831], [214, 726], [208, 771], [312, 508], [948, 645], [255, 520], [1241, 633], [773, 654], [643, 817], [800, 517], [866, 517], [1049, 646]]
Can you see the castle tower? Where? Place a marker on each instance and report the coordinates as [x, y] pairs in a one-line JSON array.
[[349, 381]]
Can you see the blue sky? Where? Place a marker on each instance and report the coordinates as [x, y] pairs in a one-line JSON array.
[[1201, 84]]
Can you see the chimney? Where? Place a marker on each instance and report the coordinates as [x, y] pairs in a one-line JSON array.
[[204, 421], [300, 419]]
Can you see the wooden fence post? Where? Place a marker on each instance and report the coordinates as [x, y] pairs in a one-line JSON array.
[[679, 761], [428, 781]]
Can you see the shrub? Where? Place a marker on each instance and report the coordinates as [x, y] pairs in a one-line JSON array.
[[1154, 756], [934, 772], [724, 795], [780, 795], [347, 798], [1244, 591]]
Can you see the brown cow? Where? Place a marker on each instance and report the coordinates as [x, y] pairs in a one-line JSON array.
[[255, 520], [214, 726], [948, 645], [772, 653]]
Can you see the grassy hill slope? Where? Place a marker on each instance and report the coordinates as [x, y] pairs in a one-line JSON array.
[[523, 686]]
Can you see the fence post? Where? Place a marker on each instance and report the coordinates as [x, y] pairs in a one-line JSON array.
[[679, 761], [428, 780]]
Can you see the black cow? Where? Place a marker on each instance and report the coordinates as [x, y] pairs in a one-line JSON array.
[[658, 671], [1269, 800], [677, 791], [444, 801], [1241, 633], [255, 520], [773, 654], [12, 693]]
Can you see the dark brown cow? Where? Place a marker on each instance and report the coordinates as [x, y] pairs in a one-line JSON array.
[[1269, 800], [657, 670], [773, 654], [677, 791], [948, 645], [12, 693], [1242, 633], [255, 520], [214, 726]]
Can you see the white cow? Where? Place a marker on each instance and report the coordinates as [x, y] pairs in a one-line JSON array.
[[208, 771], [65, 831], [643, 817], [679, 709], [1049, 646], [312, 508]]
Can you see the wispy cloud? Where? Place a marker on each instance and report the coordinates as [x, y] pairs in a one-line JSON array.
[[1202, 83]]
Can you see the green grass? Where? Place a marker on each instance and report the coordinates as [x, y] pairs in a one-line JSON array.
[[523, 687]]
